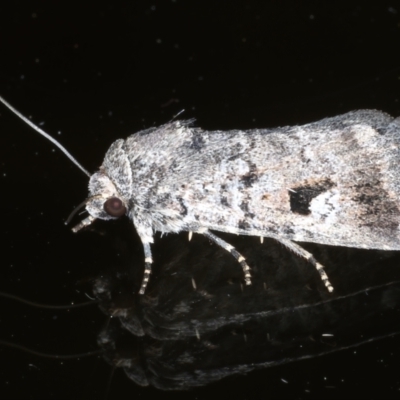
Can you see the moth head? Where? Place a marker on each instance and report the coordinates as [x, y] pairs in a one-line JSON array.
[[109, 188], [104, 202]]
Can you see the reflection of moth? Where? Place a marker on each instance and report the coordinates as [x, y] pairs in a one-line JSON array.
[[197, 326], [332, 182]]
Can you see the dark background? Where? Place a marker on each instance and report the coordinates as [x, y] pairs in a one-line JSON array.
[[95, 73]]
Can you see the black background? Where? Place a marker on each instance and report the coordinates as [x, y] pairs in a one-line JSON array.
[[96, 73]]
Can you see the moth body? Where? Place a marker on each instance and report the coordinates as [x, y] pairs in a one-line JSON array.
[[332, 182]]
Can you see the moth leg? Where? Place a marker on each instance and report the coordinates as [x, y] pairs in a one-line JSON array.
[[148, 260], [233, 251], [299, 251]]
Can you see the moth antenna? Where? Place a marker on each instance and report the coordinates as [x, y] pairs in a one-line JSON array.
[[48, 306], [46, 135], [55, 356]]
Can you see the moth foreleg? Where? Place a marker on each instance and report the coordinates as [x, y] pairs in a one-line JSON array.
[[86, 222], [148, 260], [233, 251], [299, 251]]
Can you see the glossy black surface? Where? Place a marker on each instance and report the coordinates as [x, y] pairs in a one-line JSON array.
[[98, 73]]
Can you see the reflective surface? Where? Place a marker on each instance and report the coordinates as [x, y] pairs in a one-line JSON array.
[[198, 324], [101, 74]]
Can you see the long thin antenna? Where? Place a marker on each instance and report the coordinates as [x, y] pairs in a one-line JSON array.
[[48, 306], [46, 135], [55, 356]]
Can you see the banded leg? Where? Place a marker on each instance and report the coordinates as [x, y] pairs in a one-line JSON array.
[[233, 251], [299, 251], [148, 260], [87, 221]]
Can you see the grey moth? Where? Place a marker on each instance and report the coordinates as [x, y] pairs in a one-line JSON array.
[[334, 182]]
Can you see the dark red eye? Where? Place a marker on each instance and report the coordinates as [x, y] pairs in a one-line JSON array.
[[114, 207]]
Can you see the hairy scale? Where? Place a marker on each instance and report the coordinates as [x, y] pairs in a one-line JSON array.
[[333, 182]]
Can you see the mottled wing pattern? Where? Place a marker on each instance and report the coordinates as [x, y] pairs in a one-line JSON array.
[[331, 182]]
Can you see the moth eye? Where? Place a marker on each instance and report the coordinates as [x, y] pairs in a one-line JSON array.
[[114, 207]]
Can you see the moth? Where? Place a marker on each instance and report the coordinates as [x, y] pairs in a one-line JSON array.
[[333, 182]]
